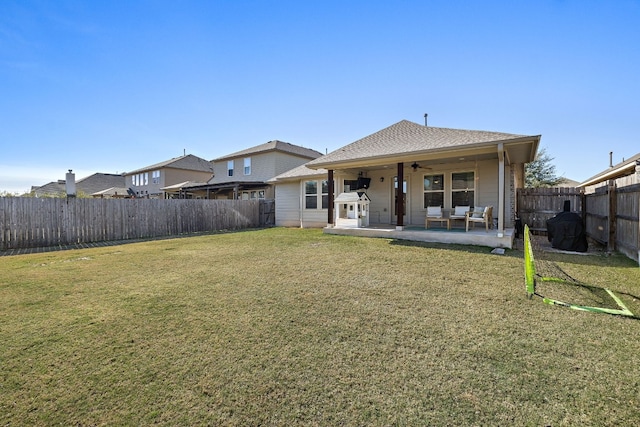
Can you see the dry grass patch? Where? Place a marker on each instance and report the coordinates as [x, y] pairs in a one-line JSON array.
[[293, 327]]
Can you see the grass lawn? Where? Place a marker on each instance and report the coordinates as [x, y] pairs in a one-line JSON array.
[[293, 327]]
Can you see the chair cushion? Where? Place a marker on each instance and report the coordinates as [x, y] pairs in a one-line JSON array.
[[461, 210], [434, 211], [478, 212]]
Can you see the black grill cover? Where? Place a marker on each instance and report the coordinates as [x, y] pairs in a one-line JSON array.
[[566, 232]]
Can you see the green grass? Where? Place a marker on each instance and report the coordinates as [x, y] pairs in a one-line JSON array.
[[293, 327]]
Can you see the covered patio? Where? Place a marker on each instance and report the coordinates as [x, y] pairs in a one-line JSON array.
[[407, 169], [478, 237]]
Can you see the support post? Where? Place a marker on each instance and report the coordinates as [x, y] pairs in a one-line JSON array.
[[400, 198], [501, 183], [330, 217], [611, 239]]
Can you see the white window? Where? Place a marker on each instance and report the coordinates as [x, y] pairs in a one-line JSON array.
[[247, 165], [325, 194], [311, 195], [314, 199], [134, 180], [146, 178], [155, 177], [433, 190], [462, 189], [230, 168]]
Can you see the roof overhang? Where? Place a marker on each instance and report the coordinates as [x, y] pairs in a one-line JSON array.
[[517, 150], [227, 186], [615, 172]]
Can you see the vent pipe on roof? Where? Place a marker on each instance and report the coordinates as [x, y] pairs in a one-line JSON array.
[[610, 159], [425, 119]]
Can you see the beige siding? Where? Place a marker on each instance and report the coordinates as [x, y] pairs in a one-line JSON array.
[[288, 208], [288, 204], [382, 197], [168, 176], [314, 218], [264, 166]]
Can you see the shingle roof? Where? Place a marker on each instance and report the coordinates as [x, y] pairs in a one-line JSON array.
[[188, 162], [113, 191], [623, 168], [100, 181], [408, 137], [274, 146], [88, 185], [301, 171]]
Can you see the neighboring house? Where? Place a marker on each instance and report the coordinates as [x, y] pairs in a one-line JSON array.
[[437, 167], [627, 168], [85, 186], [567, 183], [151, 181], [112, 193], [245, 174]]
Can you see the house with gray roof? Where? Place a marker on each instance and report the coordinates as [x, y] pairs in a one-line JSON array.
[[406, 168], [151, 181], [86, 186], [246, 174], [628, 168]]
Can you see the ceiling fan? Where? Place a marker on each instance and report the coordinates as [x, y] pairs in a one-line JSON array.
[[416, 166]]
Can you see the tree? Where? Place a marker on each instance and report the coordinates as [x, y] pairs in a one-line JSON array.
[[541, 172]]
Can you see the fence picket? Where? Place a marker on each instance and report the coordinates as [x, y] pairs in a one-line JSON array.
[[38, 222], [611, 212]]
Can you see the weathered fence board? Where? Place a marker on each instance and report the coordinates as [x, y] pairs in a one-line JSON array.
[[40, 222], [611, 212], [537, 205]]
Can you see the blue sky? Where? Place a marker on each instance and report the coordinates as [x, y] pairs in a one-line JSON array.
[[112, 86]]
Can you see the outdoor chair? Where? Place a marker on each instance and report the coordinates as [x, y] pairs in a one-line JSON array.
[[460, 212], [482, 215], [434, 213]]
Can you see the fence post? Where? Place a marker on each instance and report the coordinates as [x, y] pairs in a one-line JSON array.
[[611, 240], [3, 224]]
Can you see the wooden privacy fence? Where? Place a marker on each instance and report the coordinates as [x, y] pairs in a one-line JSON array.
[[611, 213], [41, 222], [537, 205]]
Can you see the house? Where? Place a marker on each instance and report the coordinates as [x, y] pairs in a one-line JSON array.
[[112, 193], [86, 186], [627, 168], [407, 167], [151, 181], [245, 174]]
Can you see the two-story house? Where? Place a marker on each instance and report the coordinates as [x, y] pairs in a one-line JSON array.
[[245, 174], [152, 181]]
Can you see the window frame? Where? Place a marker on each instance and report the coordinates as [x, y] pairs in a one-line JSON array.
[[310, 196], [230, 167], [426, 191], [470, 201], [247, 166]]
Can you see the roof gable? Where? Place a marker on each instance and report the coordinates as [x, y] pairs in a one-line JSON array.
[[275, 145], [187, 162]]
